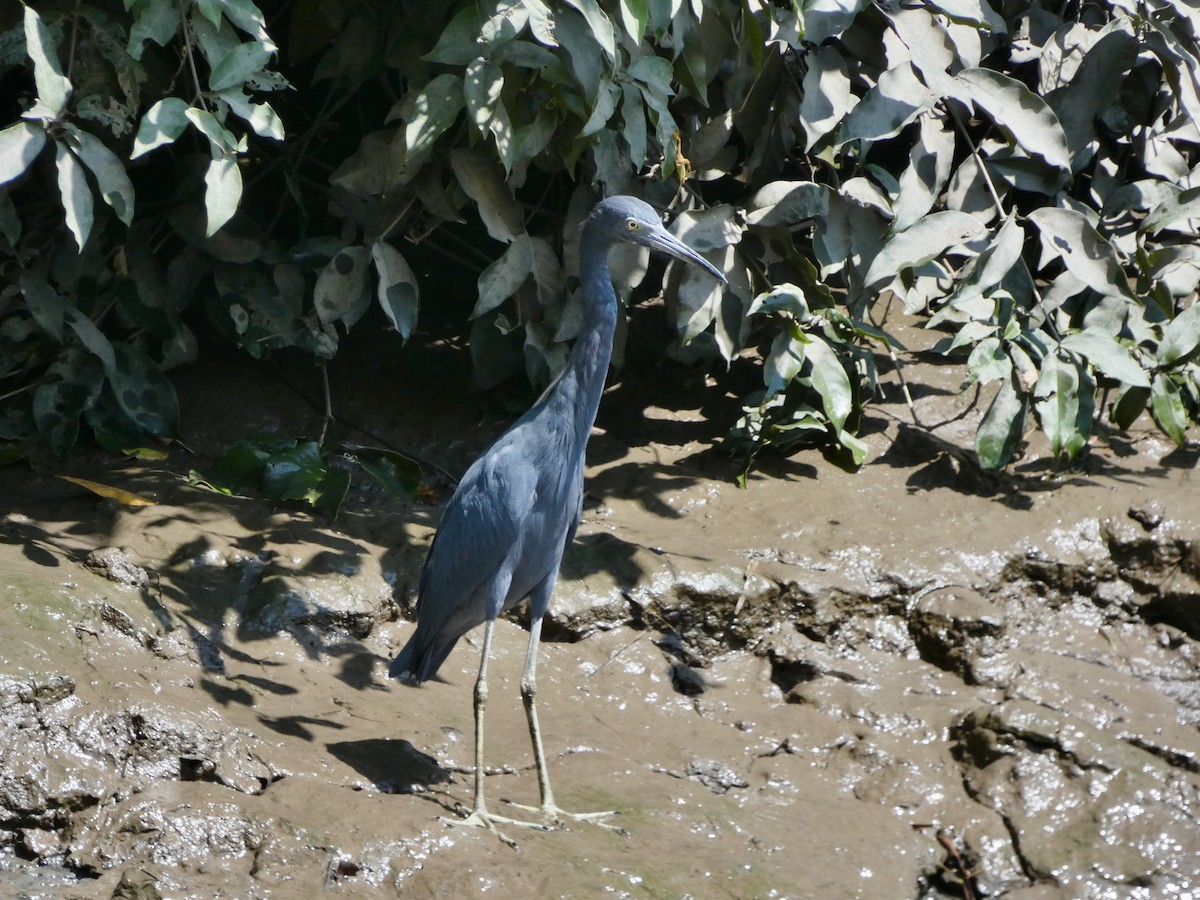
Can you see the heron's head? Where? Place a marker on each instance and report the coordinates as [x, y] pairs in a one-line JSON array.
[[633, 221]]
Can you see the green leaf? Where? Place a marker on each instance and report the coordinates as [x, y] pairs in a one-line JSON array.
[[53, 88], [157, 20], [114, 183], [602, 27], [1166, 405], [481, 89], [928, 171], [260, 116], [896, 100], [1087, 255], [483, 181], [541, 22], [19, 146], [220, 140], [783, 362], [294, 474], [329, 493], [162, 124], [830, 380], [1181, 336], [238, 65], [1063, 400], [223, 191], [928, 239], [460, 43], [988, 362], [787, 203], [826, 93], [634, 16], [500, 280], [240, 469], [606, 105], [399, 293], [1108, 356], [248, 17], [1001, 427], [400, 475], [142, 390], [435, 108], [46, 305], [75, 193], [633, 117], [1130, 403], [1180, 205], [786, 298], [1022, 114], [824, 19]]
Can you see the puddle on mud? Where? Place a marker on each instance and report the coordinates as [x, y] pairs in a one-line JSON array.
[[824, 686]]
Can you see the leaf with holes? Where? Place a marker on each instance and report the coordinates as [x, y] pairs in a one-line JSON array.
[[342, 286]]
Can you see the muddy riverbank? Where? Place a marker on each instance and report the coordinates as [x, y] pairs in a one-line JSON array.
[[826, 685]]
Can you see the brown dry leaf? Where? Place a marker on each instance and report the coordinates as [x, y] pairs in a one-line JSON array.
[[125, 498]]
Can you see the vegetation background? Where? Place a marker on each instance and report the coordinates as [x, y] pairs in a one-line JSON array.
[[1020, 177]]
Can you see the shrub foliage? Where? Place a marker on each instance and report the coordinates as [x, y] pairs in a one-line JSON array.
[[1019, 176]]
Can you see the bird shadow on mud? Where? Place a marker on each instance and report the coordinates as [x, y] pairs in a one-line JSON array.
[[392, 766]]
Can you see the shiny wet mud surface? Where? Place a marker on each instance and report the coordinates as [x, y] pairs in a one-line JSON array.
[[827, 685]]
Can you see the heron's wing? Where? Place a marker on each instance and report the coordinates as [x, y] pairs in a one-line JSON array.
[[478, 531]]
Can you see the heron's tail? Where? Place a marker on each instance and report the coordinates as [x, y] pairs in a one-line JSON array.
[[420, 659]]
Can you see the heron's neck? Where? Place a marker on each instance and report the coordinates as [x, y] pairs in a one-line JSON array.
[[583, 378]]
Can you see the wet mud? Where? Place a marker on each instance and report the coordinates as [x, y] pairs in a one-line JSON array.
[[914, 681]]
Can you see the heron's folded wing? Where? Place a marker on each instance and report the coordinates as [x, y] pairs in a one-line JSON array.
[[478, 533]]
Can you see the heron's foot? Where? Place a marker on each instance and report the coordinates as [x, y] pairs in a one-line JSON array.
[[552, 813], [481, 818]]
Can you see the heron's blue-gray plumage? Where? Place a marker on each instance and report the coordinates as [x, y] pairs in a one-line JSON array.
[[505, 529]]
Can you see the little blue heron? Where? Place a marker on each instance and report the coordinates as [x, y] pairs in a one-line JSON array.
[[503, 534]]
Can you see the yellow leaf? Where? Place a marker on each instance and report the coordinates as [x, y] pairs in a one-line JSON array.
[[125, 498]]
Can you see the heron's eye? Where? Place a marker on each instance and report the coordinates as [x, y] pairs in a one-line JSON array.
[[632, 224]]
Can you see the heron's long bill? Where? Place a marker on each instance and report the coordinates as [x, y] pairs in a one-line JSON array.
[[671, 245]]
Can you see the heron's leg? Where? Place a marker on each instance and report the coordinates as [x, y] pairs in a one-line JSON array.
[[549, 809], [479, 813]]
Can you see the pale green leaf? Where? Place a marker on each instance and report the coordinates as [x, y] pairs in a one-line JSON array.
[[342, 287], [19, 146], [483, 181], [1181, 336], [824, 19], [1022, 114], [500, 280], [895, 101], [435, 108], [163, 123], [1108, 356], [606, 105], [157, 21], [926, 240], [222, 192], [928, 171], [114, 183], [238, 65], [634, 16], [76, 194], [600, 24], [221, 141], [787, 203], [53, 87], [1087, 255], [398, 293]]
